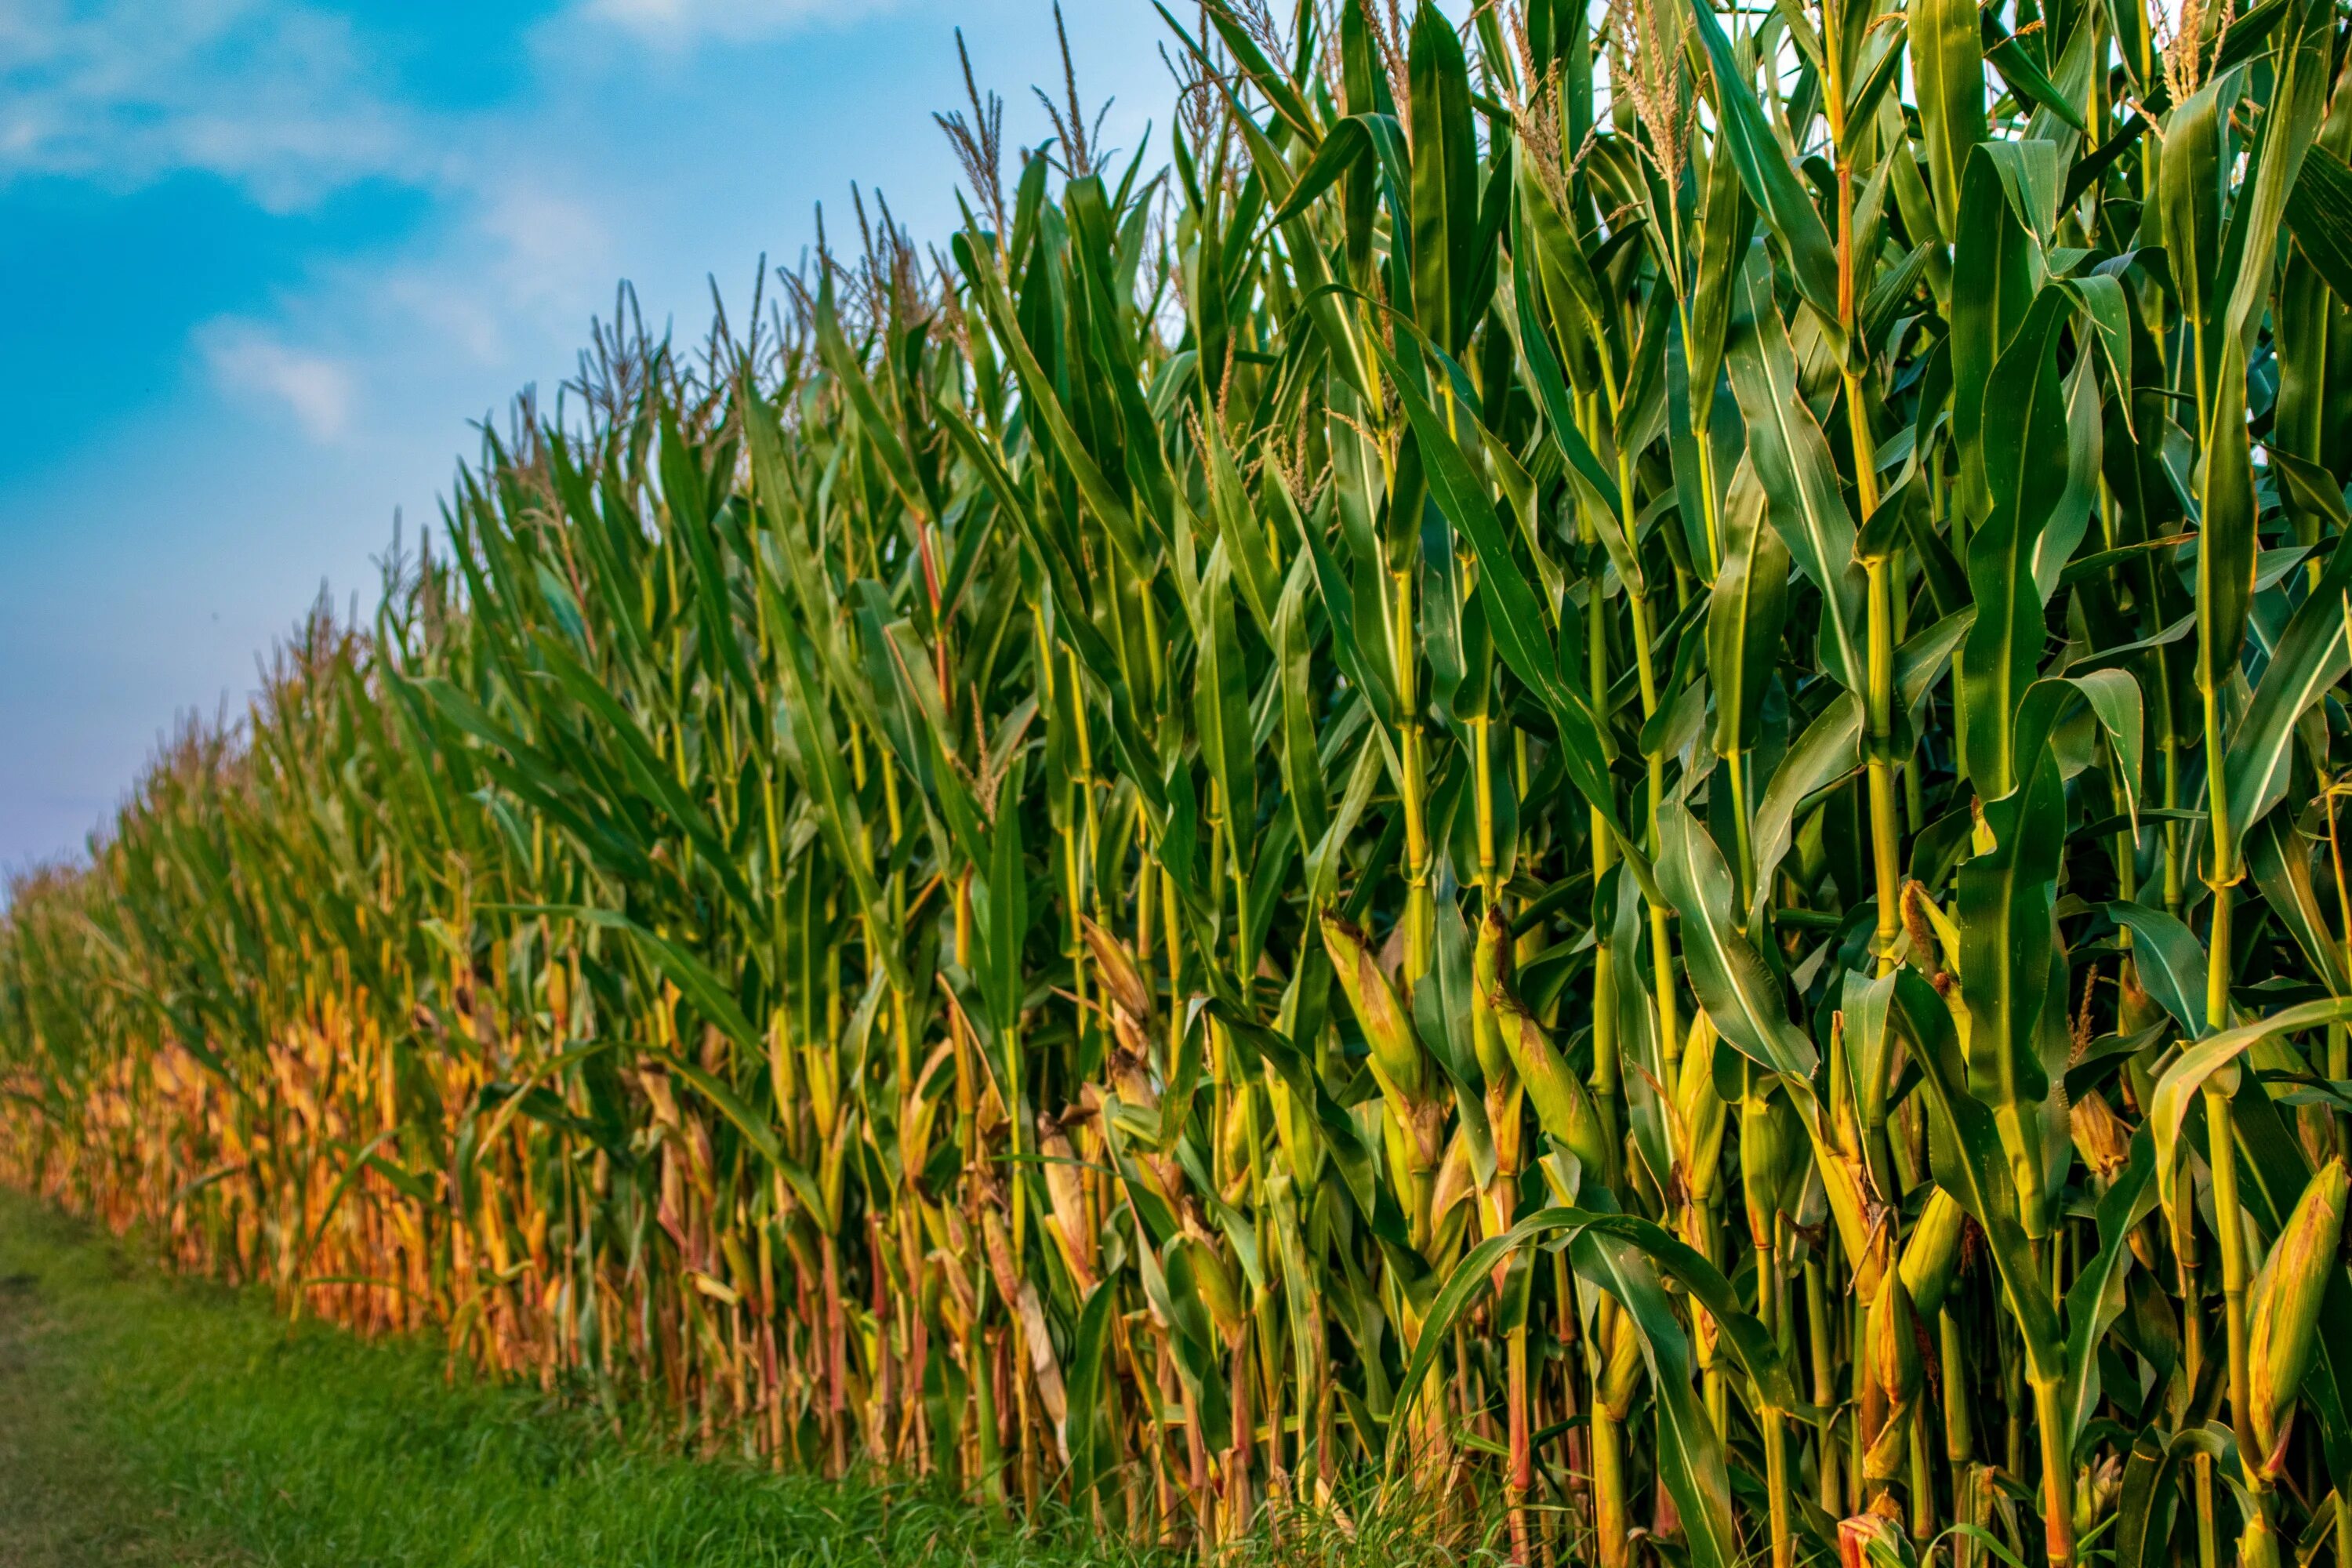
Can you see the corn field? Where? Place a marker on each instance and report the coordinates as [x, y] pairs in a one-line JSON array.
[[1583, 772]]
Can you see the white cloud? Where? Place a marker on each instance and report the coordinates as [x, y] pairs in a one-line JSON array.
[[277, 96], [549, 245], [680, 24], [319, 391], [649, 138], [289, 102], [517, 263]]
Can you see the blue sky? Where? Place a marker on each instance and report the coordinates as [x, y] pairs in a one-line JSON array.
[[265, 261]]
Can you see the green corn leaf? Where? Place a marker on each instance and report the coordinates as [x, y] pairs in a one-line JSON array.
[[1615, 1252], [1791, 456], [2311, 656], [817, 758], [2025, 78], [1279, 88], [1534, 225], [2178, 1084], [1738, 990], [1947, 74], [1222, 705], [1998, 271], [1514, 611], [1092, 1449], [2303, 70], [2189, 196], [2147, 1506], [1444, 179], [1745, 616], [1772, 184], [1969, 1164], [2280, 861], [2007, 948], [2095, 1299], [843, 362], [2023, 459], [1006, 922], [1829, 749], [2170, 962], [2319, 210]]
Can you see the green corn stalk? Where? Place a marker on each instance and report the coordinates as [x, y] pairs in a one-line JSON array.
[[1172, 861]]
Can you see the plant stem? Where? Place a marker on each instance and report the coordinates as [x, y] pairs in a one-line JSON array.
[[2229, 1236]]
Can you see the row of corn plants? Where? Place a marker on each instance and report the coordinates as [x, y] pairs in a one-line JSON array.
[[1586, 771]]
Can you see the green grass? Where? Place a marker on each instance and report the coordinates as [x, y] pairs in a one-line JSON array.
[[219, 1434], [153, 1419]]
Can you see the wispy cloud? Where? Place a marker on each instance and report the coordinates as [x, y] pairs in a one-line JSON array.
[[317, 390], [273, 95], [511, 271], [537, 152], [680, 24], [290, 102]]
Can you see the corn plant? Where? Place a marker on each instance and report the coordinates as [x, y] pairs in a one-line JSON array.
[[1583, 782]]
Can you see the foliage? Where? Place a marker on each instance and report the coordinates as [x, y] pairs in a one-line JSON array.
[[168, 1421], [1780, 641]]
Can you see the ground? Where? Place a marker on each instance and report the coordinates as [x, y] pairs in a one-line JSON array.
[[66, 1498], [148, 1421]]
